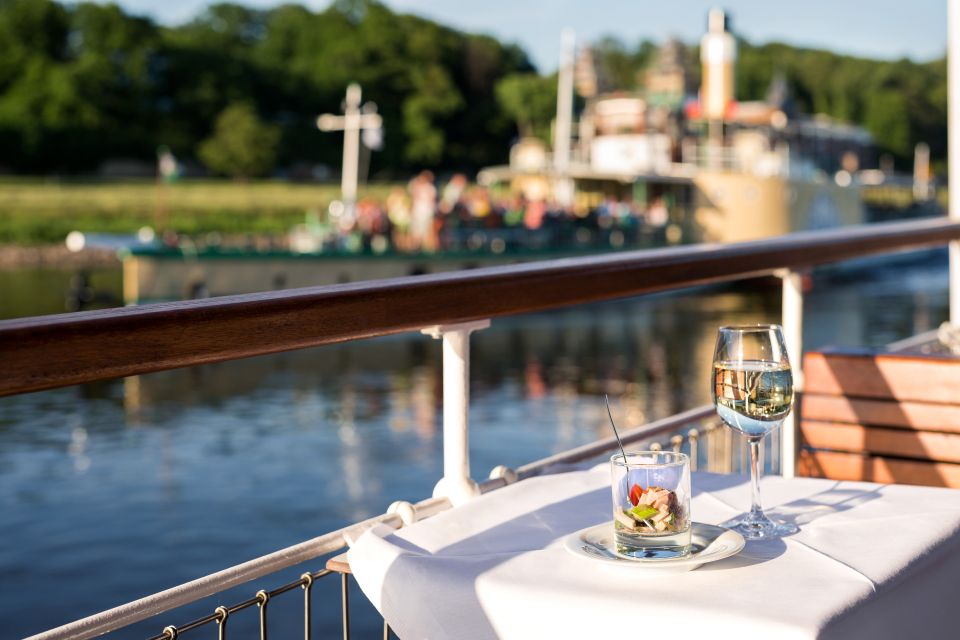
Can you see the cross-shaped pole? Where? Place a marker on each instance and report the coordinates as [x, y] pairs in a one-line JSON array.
[[354, 119]]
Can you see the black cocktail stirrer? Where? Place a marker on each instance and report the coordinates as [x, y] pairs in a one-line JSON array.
[[619, 441]]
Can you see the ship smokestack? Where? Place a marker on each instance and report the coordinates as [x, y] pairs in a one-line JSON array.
[[718, 54]]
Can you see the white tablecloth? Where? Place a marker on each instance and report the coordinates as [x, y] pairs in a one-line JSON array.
[[870, 561]]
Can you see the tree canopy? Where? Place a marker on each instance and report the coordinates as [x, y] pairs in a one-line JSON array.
[[242, 146], [900, 102], [82, 82], [531, 100]]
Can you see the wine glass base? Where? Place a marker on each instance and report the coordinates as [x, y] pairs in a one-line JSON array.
[[762, 528]]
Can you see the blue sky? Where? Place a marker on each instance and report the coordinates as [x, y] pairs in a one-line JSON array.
[[877, 28]]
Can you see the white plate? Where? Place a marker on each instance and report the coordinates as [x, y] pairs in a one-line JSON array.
[[709, 543]]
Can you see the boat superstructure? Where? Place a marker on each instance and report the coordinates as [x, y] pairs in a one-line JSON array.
[[713, 168]]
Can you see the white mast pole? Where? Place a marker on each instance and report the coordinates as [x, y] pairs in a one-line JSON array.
[[953, 148], [561, 144], [351, 145], [563, 190], [354, 119]]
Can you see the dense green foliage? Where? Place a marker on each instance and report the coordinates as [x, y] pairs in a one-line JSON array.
[[241, 145], [531, 100], [618, 65], [900, 102], [81, 83]]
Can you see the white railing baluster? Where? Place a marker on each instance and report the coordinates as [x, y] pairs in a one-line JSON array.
[[456, 484], [792, 320]]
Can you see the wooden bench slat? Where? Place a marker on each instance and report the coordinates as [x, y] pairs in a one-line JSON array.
[[924, 445], [888, 413], [901, 377], [852, 466]]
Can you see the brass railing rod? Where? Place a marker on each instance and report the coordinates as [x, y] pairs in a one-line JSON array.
[[214, 617], [263, 598], [345, 604], [199, 622], [243, 605], [307, 606]]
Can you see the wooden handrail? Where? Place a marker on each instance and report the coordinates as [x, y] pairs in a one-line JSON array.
[[54, 351]]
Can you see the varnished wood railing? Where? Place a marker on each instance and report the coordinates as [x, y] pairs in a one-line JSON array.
[[60, 350]]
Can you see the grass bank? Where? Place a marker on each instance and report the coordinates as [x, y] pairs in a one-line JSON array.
[[40, 211]]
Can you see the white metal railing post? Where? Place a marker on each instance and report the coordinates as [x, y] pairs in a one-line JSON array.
[[456, 483], [792, 320], [953, 148]]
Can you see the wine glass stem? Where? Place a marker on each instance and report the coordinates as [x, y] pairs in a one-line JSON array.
[[755, 510]]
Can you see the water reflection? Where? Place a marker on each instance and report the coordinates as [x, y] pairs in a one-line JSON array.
[[155, 480], [77, 449], [38, 291]]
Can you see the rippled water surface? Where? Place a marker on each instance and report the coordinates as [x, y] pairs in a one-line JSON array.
[[116, 490]]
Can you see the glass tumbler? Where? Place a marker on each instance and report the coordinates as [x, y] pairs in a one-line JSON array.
[[651, 504]]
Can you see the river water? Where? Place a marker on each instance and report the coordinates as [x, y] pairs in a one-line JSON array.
[[115, 490]]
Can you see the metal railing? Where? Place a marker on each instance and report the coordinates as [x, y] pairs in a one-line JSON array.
[[709, 447], [129, 341], [261, 600]]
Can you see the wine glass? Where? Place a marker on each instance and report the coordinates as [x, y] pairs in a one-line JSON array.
[[753, 391]]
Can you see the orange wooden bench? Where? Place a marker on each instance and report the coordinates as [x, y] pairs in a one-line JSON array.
[[882, 417]]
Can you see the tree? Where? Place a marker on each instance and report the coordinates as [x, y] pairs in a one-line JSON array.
[[435, 97], [30, 29], [888, 119], [616, 65], [242, 146], [899, 102], [531, 100], [228, 27], [74, 85], [82, 82]]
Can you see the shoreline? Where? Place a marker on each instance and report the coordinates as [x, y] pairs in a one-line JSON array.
[[55, 256]]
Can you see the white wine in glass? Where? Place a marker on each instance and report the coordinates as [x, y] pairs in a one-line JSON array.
[[752, 386]]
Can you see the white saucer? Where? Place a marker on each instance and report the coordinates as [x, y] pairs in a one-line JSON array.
[[709, 543]]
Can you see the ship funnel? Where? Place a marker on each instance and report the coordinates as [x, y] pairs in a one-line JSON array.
[[717, 21], [718, 54]]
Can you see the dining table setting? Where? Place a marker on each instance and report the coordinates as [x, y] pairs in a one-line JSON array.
[[642, 546]]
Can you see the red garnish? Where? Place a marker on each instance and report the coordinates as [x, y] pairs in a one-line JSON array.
[[635, 493]]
